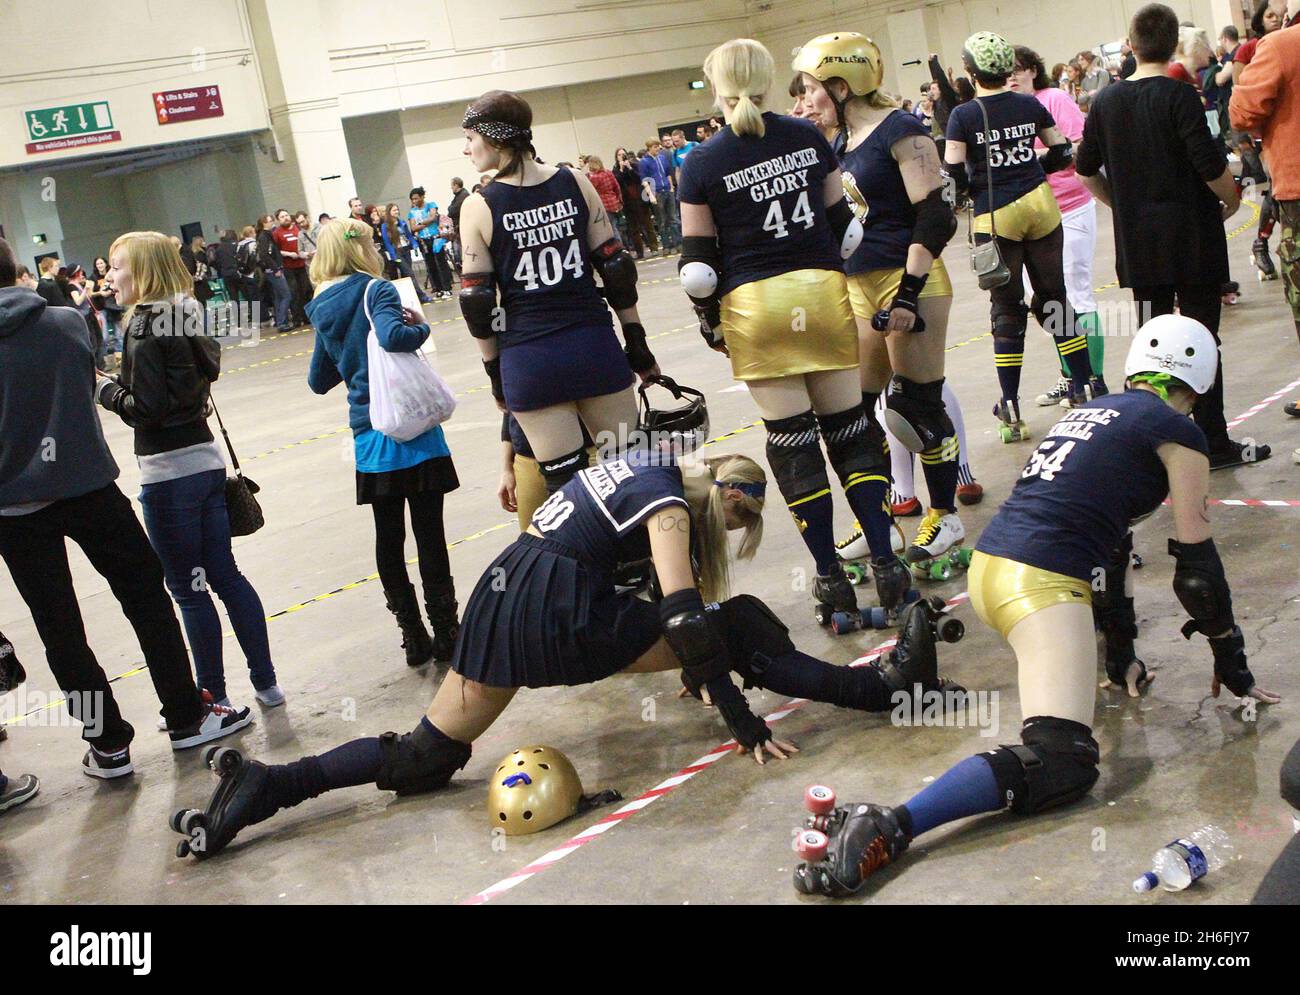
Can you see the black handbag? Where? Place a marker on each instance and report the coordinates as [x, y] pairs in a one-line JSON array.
[[244, 511], [986, 260]]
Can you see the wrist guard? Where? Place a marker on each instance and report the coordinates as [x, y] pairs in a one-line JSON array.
[[956, 171], [493, 368], [1058, 157], [639, 356], [908, 298], [746, 727], [1230, 663]]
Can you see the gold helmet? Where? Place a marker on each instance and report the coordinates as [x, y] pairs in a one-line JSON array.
[[532, 789], [852, 57]]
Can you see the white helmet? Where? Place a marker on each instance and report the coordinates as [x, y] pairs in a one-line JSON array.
[[1177, 345]]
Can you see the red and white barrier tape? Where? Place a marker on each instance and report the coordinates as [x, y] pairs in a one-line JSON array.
[[665, 787], [1247, 503], [1264, 404]]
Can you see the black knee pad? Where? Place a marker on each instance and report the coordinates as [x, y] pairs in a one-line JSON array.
[[920, 407], [751, 632], [559, 471], [795, 456], [1054, 764], [853, 449], [419, 761], [1010, 320]]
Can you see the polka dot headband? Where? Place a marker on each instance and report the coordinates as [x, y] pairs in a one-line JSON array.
[[498, 131]]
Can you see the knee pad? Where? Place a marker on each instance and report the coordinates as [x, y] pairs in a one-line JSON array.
[[795, 456], [917, 416], [854, 450], [419, 761], [1054, 764], [751, 632], [1009, 320], [559, 471]]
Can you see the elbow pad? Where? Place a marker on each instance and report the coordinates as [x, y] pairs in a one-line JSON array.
[[846, 226], [1202, 588], [692, 639], [956, 172], [478, 304], [1058, 157], [935, 223], [617, 271]]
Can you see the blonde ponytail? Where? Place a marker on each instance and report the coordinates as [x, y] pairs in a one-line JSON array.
[[740, 72], [712, 548]]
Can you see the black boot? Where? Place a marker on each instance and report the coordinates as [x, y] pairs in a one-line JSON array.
[[441, 605], [415, 638]]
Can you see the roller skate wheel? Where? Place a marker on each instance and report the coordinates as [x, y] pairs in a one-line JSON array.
[[963, 557], [941, 570], [209, 753], [191, 820], [175, 820], [226, 760], [811, 845], [1005, 434], [877, 617], [842, 622], [911, 595], [951, 630], [819, 799], [183, 849]]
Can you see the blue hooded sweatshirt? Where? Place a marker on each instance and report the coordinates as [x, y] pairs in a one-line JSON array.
[[339, 317]]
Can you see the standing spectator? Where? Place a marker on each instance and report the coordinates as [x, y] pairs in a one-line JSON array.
[[1093, 80], [79, 293], [635, 210], [483, 181], [48, 287], [250, 273], [681, 148], [163, 394], [226, 267], [391, 475], [1191, 56], [1266, 102], [46, 400], [1269, 16], [286, 235], [109, 311], [611, 194], [359, 211], [1127, 63], [443, 248], [424, 222], [321, 222], [397, 239], [307, 236], [458, 197], [657, 183], [270, 261], [1169, 195]]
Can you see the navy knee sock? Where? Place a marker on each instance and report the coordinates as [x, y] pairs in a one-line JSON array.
[[969, 788], [815, 518], [353, 763], [798, 675], [941, 482], [1074, 351], [1009, 358], [869, 500]]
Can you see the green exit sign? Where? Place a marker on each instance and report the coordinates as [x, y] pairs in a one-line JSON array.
[[54, 128]]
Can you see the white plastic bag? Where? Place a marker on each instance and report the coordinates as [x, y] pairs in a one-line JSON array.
[[407, 397]]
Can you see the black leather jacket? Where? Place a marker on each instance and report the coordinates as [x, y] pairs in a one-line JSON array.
[[167, 367]]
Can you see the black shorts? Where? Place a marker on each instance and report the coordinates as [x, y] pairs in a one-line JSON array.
[[539, 617]]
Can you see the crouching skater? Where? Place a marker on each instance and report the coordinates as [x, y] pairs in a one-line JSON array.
[[546, 613]]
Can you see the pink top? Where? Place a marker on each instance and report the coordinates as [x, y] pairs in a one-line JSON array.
[[1068, 188]]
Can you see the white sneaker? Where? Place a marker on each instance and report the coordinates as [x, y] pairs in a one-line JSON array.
[[217, 721], [107, 766], [205, 695], [938, 533]]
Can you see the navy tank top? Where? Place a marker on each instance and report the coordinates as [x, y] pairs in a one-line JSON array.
[[539, 253]]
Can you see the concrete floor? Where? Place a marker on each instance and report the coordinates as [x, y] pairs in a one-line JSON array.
[[1172, 761]]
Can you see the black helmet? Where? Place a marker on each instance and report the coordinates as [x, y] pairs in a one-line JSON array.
[[685, 428]]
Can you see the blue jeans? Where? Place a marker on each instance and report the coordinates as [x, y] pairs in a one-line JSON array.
[[665, 206], [189, 528], [281, 296]]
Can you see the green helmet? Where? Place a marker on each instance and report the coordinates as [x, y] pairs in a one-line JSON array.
[[989, 54]]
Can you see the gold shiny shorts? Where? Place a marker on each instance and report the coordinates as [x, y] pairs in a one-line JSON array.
[[1031, 217], [1003, 591], [798, 322], [874, 289]]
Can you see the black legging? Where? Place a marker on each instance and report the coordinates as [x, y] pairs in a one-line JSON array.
[[1205, 305], [430, 540]]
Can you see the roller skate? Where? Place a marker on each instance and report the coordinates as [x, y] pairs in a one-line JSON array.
[[893, 589], [972, 493], [1230, 293], [240, 800], [1060, 394], [855, 554], [834, 595], [840, 847], [1012, 428], [938, 550], [1263, 261]]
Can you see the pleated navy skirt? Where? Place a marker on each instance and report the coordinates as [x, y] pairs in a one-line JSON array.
[[539, 616]]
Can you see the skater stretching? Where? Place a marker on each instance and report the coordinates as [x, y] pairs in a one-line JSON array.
[[546, 613], [539, 233], [1024, 215], [898, 285], [766, 230], [1030, 580]]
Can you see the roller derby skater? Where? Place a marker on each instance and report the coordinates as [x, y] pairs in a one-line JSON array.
[[767, 230], [1016, 208], [898, 286], [546, 613], [904, 502], [1031, 581], [538, 234]]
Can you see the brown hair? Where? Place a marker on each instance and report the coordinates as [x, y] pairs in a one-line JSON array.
[[1153, 33], [512, 109], [390, 224]]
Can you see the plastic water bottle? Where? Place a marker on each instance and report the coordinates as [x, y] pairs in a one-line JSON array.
[[1186, 859]]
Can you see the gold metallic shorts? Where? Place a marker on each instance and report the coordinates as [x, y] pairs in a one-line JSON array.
[[874, 289], [1003, 591], [1033, 216], [798, 322]]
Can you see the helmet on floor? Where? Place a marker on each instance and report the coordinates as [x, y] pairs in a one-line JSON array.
[[681, 429], [852, 57], [988, 53], [532, 789], [1175, 345]]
